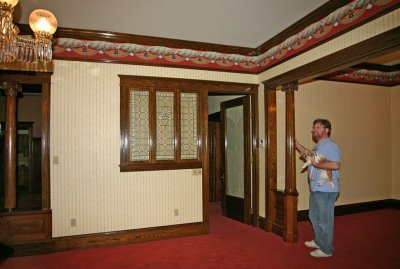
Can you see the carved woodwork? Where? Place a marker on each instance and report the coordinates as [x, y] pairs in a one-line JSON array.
[[10, 156], [25, 226], [271, 158], [290, 194]]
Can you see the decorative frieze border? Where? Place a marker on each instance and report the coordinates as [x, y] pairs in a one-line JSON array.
[[364, 76], [338, 21]]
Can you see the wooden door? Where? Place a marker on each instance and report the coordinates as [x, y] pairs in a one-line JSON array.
[[236, 158]]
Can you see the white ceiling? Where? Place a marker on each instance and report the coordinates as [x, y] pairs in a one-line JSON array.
[[246, 23]]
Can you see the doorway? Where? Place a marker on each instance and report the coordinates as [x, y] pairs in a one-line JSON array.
[[231, 173]]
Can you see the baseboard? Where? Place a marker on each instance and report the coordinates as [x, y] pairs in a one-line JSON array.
[[356, 208], [340, 210], [107, 239]]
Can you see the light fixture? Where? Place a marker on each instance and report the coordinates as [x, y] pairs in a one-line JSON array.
[[14, 47]]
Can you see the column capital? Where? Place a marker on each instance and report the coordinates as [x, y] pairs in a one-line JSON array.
[[10, 88], [290, 87]]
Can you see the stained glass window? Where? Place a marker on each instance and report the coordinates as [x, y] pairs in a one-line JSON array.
[[189, 132], [140, 130], [165, 126]]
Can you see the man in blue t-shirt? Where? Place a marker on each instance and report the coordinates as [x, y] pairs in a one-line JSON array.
[[323, 195]]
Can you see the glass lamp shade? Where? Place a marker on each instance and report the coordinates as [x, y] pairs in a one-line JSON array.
[[42, 20], [13, 3]]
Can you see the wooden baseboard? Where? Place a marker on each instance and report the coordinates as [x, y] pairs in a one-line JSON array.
[[356, 208], [107, 239], [340, 210]]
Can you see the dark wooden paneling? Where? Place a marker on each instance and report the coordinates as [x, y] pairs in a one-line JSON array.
[[25, 226], [271, 157], [234, 206], [277, 226]]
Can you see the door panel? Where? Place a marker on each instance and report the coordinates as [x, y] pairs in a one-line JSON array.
[[236, 158]]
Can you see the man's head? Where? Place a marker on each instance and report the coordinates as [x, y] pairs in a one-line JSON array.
[[321, 129]]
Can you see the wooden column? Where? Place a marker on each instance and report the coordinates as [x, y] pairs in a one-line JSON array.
[[270, 157], [45, 146], [10, 151], [290, 194]]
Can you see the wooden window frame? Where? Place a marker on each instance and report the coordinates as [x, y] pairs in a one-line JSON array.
[[153, 85]]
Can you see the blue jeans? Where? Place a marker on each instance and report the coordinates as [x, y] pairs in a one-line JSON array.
[[321, 214]]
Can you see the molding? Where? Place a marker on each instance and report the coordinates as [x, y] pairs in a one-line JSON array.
[[295, 28], [342, 210], [109, 47], [107, 239], [381, 44], [371, 74]]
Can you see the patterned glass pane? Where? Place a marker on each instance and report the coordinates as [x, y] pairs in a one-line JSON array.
[[165, 126], [189, 132], [140, 126]]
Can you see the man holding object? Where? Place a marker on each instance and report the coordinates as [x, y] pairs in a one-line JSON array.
[[323, 196]]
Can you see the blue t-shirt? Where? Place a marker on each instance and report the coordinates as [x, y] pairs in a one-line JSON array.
[[331, 152]]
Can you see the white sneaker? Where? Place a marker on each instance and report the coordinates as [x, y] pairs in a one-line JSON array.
[[311, 244], [319, 254]]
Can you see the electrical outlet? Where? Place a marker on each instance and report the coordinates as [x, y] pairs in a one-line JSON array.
[[56, 160], [73, 222], [196, 172], [176, 212]]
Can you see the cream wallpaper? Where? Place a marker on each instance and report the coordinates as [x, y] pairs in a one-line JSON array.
[[88, 189], [361, 126]]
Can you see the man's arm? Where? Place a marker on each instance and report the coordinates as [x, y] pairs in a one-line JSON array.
[[326, 165], [300, 148]]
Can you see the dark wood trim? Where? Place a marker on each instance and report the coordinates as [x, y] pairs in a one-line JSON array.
[[270, 158], [204, 159], [107, 239], [41, 216], [153, 84], [342, 210], [25, 226], [377, 67], [375, 46], [255, 160], [319, 14], [290, 195], [45, 146], [84, 34]]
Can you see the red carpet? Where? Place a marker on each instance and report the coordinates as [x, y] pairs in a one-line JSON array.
[[366, 240]]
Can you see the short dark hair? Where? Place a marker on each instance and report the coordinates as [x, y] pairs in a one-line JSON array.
[[325, 123]]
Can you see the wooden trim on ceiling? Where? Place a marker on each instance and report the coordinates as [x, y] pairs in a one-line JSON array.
[[310, 19], [372, 47], [298, 26], [83, 34]]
